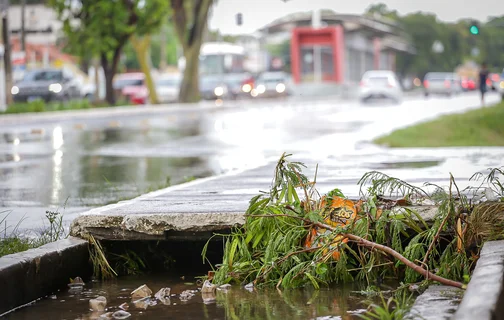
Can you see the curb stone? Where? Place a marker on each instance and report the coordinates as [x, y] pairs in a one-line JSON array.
[[32, 274]]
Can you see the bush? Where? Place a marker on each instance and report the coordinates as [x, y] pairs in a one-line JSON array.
[[42, 106]]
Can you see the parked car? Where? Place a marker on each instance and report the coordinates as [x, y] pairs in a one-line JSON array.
[[493, 81], [213, 87], [380, 84], [46, 84], [271, 84], [239, 84], [167, 89], [129, 84], [446, 83], [467, 84]]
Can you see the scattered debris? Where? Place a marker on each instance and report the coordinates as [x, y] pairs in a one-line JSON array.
[[107, 315], [249, 287], [121, 314], [124, 306], [224, 287], [98, 303], [76, 283], [208, 287], [186, 295], [163, 295], [208, 297], [144, 303], [141, 292]]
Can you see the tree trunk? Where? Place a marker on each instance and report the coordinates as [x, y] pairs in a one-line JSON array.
[[109, 87], [7, 59], [141, 46], [23, 32], [110, 69], [162, 48], [109, 80], [189, 88]]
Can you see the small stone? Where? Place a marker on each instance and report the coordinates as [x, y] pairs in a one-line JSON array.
[[186, 295], [98, 303], [142, 303], [121, 314], [163, 295], [124, 306], [141, 292], [250, 287], [107, 315], [53, 297], [208, 287], [76, 283]]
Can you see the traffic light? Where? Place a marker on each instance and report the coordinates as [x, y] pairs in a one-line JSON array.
[[239, 19], [474, 29]]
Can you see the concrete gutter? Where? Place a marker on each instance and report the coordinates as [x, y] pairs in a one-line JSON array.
[[32, 274], [484, 297], [437, 302]]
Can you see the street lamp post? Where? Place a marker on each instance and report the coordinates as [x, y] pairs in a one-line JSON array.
[[4, 8]]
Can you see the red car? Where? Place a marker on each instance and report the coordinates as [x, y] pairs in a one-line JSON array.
[[468, 84], [129, 84]]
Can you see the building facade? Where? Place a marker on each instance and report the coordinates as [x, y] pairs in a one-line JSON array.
[[341, 49]]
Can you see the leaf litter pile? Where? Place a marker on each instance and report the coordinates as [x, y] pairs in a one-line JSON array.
[[294, 237]]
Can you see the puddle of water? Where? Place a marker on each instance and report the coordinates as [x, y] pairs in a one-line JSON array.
[[406, 164], [340, 302]]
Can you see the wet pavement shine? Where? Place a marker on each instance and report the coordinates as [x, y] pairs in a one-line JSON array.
[[74, 164]]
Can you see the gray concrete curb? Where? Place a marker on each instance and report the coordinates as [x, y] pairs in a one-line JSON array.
[[437, 302], [484, 297], [32, 274]]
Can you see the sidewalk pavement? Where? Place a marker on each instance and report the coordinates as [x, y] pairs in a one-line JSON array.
[[195, 209]]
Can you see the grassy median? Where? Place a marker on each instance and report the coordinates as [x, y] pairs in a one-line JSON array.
[[481, 127]]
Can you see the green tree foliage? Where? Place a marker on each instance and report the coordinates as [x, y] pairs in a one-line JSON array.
[[424, 29], [102, 28]]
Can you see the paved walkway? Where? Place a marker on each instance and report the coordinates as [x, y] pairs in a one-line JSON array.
[[189, 210]]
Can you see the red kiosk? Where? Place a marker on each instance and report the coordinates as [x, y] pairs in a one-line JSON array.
[[331, 41]]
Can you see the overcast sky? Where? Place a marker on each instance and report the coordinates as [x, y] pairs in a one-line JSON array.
[[257, 13]]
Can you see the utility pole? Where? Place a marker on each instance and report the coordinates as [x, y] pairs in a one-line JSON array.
[[4, 9], [23, 31]]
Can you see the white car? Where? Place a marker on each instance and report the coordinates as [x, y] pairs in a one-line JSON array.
[[380, 84], [445, 83], [168, 87]]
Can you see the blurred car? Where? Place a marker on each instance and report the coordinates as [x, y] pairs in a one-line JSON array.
[[467, 84], [129, 84], [271, 84], [493, 81], [46, 84], [239, 84], [213, 87], [380, 84], [501, 85], [446, 83], [167, 89]]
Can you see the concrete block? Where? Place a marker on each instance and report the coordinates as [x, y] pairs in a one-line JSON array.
[[484, 297], [32, 274]]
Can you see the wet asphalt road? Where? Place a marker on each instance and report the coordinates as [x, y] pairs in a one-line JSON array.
[[71, 164]]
